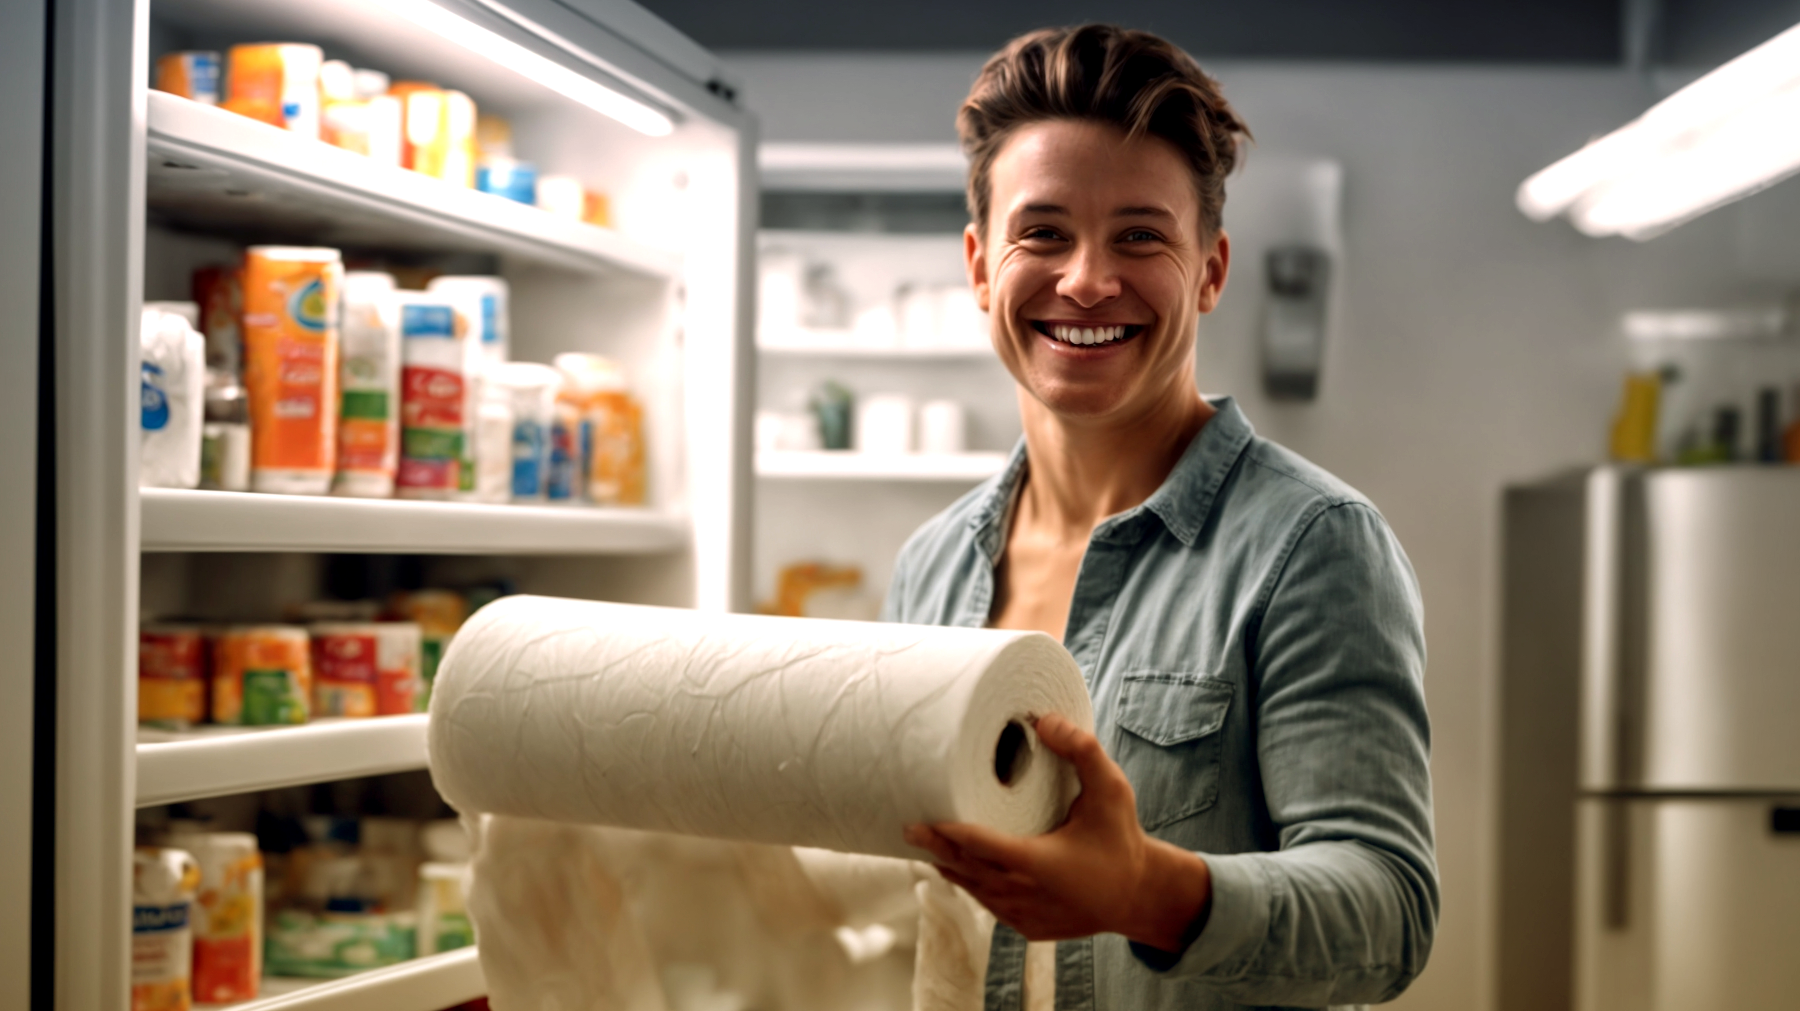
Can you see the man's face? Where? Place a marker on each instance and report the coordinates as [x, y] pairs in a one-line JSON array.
[[1094, 268]]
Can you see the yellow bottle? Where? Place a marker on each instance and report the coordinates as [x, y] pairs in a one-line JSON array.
[[1634, 428]]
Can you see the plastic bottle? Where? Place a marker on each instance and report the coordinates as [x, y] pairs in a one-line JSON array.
[[369, 412], [531, 391]]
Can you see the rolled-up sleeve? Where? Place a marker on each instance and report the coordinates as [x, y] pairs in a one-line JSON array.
[[1345, 911]]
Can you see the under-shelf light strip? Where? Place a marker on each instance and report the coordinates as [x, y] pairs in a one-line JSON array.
[[1722, 137], [522, 61]]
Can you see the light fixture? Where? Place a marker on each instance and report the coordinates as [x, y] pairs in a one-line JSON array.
[[1729, 134], [535, 67]]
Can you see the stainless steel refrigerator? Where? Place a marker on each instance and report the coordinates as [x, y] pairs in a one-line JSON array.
[[1649, 820]]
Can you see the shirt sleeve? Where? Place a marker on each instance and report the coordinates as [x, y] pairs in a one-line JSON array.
[[1346, 910]]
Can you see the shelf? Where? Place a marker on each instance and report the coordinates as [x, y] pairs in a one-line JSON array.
[[216, 171], [863, 168], [966, 467], [876, 353], [181, 520], [431, 983], [217, 761]]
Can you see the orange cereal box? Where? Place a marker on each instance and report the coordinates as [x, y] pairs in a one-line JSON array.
[[290, 333]]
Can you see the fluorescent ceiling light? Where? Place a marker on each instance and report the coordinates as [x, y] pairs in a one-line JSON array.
[[1723, 137], [525, 63]]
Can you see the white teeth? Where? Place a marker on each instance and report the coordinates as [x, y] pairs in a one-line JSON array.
[[1085, 336]]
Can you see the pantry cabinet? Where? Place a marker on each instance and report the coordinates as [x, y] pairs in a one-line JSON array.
[[146, 186]]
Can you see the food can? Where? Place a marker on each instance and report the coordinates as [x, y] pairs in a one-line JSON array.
[[438, 614], [192, 75], [437, 397], [291, 348], [262, 675], [277, 83], [228, 915], [369, 413], [164, 883], [171, 676], [365, 668]]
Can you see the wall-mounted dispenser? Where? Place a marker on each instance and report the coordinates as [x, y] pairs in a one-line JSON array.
[[1298, 280]]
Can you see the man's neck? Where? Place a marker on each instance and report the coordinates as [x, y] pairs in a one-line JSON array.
[[1083, 470]]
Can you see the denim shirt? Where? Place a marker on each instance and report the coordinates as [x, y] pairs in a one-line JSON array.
[[1252, 638]]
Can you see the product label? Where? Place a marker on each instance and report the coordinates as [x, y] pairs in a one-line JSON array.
[[272, 697], [490, 319], [171, 678], [161, 950], [431, 397], [344, 674], [565, 461], [224, 969], [153, 410], [427, 321], [291, 362], [528, 449]]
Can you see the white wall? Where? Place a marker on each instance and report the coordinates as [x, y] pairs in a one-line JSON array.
[[1474, 348]]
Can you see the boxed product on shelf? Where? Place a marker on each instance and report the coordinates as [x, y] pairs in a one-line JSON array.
[[437, 135], [291, 345], [611, 434], [228, 914], [438, 396], [172, 400], [192, 75], [530, 392], [276, 83], [486, 302], [357, 112], [369, 401], [164, 884]]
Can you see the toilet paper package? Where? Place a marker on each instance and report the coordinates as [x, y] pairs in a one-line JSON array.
[[803, 732], [172, 399]]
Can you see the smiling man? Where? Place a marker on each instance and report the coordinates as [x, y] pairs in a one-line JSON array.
[[1254, 827]]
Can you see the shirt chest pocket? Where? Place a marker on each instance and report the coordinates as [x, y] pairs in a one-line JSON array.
[[1171, 727]]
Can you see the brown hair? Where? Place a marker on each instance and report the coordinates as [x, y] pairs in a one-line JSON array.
[[1106, 74]]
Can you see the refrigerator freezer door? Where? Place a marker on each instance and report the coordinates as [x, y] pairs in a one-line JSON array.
[[1687, 905], [1721, 678]]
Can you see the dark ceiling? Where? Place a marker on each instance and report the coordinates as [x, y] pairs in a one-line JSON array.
[[1481, 31]]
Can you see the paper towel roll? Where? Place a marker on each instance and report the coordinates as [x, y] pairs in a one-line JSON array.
[[832, 734]]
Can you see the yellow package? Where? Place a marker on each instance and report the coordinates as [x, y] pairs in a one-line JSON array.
[[437, 132], [291, 347], [616, 476], [277, 83]]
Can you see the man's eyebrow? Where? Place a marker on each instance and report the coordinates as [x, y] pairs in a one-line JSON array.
[[1142, 212], [1043, 209]]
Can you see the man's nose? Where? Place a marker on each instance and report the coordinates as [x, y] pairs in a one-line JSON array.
[[1091, 277]]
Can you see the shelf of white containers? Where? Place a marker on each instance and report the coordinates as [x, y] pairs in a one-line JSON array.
[[846, 465], [217, 169], [215, 761], [182, 520], [431, 983]]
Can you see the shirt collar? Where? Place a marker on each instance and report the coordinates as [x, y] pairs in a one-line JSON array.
[[1182, 503]]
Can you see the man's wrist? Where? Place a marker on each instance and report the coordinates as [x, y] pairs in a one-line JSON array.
[[1174, 898]]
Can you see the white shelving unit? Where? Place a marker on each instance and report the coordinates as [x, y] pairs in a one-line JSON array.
[[423, 984], [215, 167], [825, 465], [139, 167], [215, 761], [182, 520]]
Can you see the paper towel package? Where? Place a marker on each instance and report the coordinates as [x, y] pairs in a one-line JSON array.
[[830, 734]]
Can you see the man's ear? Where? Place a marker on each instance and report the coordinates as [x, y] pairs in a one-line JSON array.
[[975, 262], [1218, 267]]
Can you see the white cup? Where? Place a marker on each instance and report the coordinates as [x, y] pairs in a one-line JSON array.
[[884, 424], [943, 427]]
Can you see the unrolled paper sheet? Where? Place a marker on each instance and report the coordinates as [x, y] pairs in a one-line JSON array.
[[828, 734]]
